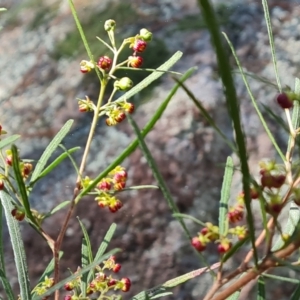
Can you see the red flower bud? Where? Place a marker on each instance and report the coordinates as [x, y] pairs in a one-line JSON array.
[[126, 284], [104, 63], [104, 185], [120, 117], [224, 246], [284, 101], [1, 184], [112, 282], [9, 160], [135, 61], [69, 286], [139, 46], [116, 268], [18, 214], [197, 244]]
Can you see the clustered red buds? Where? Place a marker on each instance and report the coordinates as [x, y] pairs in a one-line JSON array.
[[26, 169], [117, 112], [102, 282], [115, 181]]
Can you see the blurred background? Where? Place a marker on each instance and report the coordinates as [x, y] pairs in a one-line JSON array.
[[40, 52]]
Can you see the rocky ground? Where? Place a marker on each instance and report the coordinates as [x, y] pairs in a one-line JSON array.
[[38, 91]]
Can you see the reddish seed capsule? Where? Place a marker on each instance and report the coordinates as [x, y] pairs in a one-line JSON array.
[[18, 214], [111, 282], [1, 184], [224, 247], [127, 284], [68, 297], [116, 268], [9, 160], [135, 61], [284, 101], [104, 185], [129, 108], [197, 244], [104, 62], [139, 46], [69, 286], [121, 116]]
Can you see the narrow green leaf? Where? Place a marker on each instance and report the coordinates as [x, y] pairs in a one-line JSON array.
[[134, 144], [21, 185], [50, 149], [8, 141], [234, 249], [86, 257], [17, 245], [5, 282], [149, 79], [277, 118], [296, 113], [3, 9], [184, 216], [280, 278], [256, 77], [74, 276], [261, 293], [296, 294], [54, 164], [289, 228], [165, 287], [232, 104], [6, 285], [161, 295], [83, 37], [207, 116], [270, 135], [225, 195], [106, 240], [84, 263], [58, 208], [157, 175], [271, 40], [234, 296]]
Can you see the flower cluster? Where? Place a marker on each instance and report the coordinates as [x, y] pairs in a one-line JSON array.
[[43, 286], [138, 45], [108, 187], [102, 282], [116, 112], [210, 233]]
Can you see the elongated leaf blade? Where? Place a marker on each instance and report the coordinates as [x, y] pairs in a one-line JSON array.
[[8, 141], [6, 285], [50, 149], [17, 245], [5, 282], [225, 195], [86, 256], [21, 184], [165, 287], [185, 216], [261, 293], [106, 240], [233, 108], [134, 144], [54, 164], [281, 278], [264, 123], [58, 208], [296, 294], [271, 41]]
